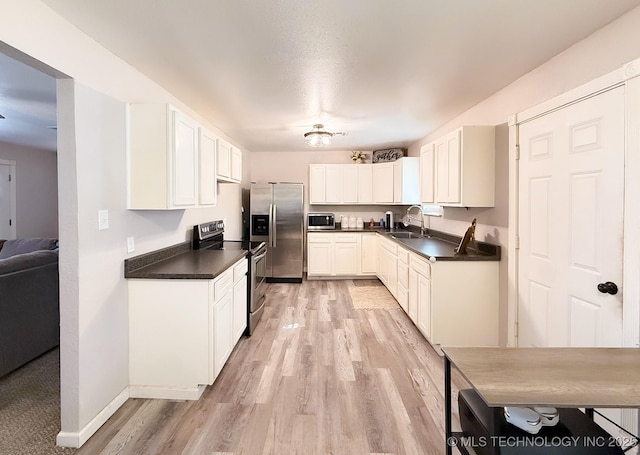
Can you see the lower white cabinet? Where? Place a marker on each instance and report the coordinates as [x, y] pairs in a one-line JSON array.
[[454, 303], [333, 254], [181, 332], [368, 254], [388, 264]]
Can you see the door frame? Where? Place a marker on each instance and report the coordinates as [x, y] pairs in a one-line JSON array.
[[12, 170], [627, 76]]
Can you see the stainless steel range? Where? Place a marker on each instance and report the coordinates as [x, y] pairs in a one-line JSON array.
[[210, 235]]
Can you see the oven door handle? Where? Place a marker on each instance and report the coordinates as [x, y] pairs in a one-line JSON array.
[[258, 257]]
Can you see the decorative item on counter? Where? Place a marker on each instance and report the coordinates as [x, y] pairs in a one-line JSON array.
[[381, 222], [358, 157], [380, 156], [344, 222], [469, 236], [352, 222], [359, 223], [371, 223]]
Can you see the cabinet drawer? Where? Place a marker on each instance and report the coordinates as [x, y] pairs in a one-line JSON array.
[[420, 265], [240, 269], [345, 238], [222, 285], [320, 238]]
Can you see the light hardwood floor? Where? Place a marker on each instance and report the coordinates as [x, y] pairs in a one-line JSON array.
[[317, 377]]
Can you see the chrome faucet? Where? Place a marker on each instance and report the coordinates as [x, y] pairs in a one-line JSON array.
[[421, 217]]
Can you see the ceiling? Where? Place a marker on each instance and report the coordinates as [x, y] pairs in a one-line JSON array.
[[28, 103], [387, 72]]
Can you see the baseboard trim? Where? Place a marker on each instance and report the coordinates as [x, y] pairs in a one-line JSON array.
[[166, 393], [75, 440]]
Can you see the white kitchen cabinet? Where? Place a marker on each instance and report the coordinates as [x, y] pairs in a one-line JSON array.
[[365, 183], [369, 253], [333, 184], [420, 286], [383, 183], [208, 189], [163, 158], [229, 163], [406, 181], [427, 161], [335, 254], [181, 332], [465, 167], [412, 303], [388, 264], [403, 278]]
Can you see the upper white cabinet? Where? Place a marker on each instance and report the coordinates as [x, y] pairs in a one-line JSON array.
[[390, 183], [464, 168], [427, 161], [383, 183], [163, 158], [406, 181], [208, 194], [229, 162]]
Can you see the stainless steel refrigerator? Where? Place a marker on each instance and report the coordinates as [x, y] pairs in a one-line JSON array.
[[276, 217]]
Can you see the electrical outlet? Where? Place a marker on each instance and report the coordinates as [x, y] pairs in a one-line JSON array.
[[130, 245], [103, 220]]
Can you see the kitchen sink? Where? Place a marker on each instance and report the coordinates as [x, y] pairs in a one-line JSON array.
[[405, 235]]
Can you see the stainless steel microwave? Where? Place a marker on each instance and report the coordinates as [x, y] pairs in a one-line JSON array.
[[321, 221]]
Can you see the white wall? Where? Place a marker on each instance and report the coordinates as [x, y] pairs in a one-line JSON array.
[[36, 190], [91, 166]]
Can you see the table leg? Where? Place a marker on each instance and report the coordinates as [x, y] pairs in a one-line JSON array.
[[447, 405]]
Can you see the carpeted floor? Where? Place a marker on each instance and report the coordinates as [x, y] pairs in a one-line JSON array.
[[30, 408], [372, 298]]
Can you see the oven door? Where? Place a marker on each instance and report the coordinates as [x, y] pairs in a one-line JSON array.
[[258, 279]]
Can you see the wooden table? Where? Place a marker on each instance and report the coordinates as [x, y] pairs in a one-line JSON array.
[[559, 377]]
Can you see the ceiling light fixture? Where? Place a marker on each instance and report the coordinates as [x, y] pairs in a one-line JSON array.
[[318, 137]]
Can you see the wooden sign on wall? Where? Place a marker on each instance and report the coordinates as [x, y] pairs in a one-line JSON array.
[[381, 156]]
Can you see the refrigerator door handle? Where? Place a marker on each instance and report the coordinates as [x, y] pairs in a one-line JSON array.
[[273, 232]]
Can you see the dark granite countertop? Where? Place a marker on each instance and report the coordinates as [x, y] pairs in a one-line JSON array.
[[180, 262], [436, 245]]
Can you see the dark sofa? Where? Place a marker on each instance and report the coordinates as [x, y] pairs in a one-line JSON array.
[[29, 301]]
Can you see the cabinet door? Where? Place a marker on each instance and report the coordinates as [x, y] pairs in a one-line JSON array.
[[224, 159], [426, 174], [424, 305], [365, 183], [332, 184], [208, 194], [222, 330], [317, 184], [319, 259], [345, 258], [236, 164], [393, 274], [349, 184], [413, 296], [240, 308], [185, 160], [369, 254], [383, 183], [447, 151], [397, 182]]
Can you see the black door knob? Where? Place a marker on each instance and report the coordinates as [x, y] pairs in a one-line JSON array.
[[608, 288]]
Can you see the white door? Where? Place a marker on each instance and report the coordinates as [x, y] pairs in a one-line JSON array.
[[7, 201], [571, 184], [185, 160]]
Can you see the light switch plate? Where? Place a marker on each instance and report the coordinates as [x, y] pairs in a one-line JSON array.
[[130, 245], [103, 220]]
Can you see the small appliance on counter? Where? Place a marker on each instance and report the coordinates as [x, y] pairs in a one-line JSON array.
[[388, 220], [321, 221]]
